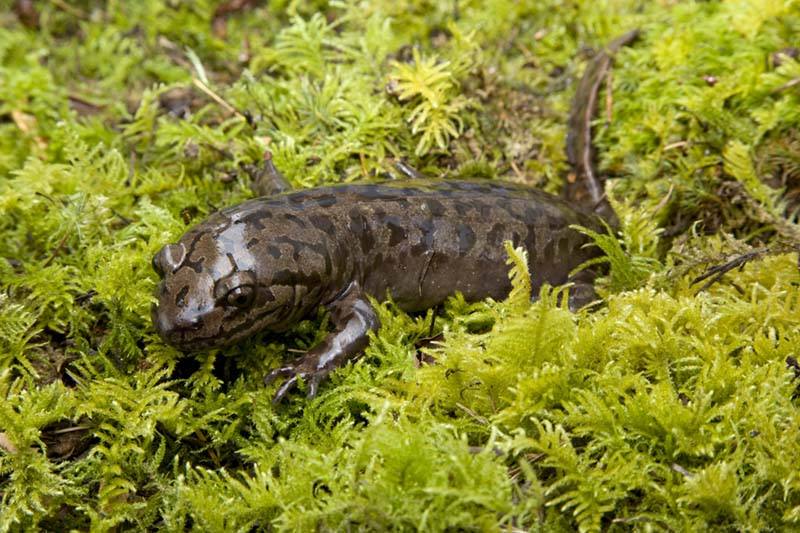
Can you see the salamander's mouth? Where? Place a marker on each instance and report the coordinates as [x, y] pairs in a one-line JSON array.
[[184, 335]]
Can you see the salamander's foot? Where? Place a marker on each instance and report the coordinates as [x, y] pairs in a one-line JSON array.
[[353, 317], [294, 373], [581, 294]]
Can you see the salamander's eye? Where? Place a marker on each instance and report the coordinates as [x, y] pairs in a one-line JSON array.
[[241, 296]]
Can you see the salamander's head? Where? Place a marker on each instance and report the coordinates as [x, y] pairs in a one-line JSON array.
[[216, 288]]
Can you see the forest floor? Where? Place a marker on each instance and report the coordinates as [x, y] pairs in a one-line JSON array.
[[671, 405]]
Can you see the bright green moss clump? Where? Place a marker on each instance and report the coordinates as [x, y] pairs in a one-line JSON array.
[[667, 408]]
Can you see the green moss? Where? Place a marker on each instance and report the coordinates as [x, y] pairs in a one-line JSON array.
[[667, 407]]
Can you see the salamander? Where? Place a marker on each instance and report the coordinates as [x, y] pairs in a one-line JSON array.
[[267, 263]]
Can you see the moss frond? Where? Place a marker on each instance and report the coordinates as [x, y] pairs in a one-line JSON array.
[[432, 87]]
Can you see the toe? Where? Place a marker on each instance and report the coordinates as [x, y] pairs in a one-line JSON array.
[[284, 389], [313, 386], [283, 372]]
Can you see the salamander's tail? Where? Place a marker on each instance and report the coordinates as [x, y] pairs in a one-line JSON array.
[[585, 187]]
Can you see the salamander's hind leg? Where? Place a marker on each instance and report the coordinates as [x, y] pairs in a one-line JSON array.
[[582, 292], [353, 317], [268, 180]]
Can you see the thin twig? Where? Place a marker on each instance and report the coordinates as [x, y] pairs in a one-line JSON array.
[[72, 10], [69, 429], [609, 95], [714, 274], [788, 85], [57, 250], [516, 169], [218, 99], [663, 203], [478, 418], [678, 144]]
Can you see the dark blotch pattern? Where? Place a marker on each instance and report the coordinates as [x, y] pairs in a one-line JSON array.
[[196, 265], [257, 219], [295, 219], [273, 251], [326, 200], [180, 299], [466, 239], [322, 223], [462, 209], [397, 231], [436, 208], [424, 244], [495, 234]]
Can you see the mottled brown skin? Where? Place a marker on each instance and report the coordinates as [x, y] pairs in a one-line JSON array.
[[267, 263]]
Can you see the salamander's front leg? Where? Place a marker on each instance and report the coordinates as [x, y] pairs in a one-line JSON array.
[[353, 317]]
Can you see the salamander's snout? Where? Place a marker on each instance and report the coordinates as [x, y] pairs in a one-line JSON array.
[[161, 322], [175, 328], [186, 313]]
